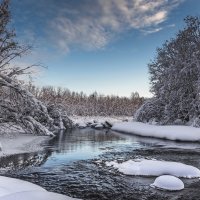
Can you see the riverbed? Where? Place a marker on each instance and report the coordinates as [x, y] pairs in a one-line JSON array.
[[73, 163]]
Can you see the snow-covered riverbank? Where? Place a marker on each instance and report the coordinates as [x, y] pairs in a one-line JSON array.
[[15, 189], [84, 120], [14, 140], [16, 143], [180, 133]]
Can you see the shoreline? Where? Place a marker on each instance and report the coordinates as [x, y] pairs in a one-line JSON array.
[[100, 119], [17, 143], [13, 139]]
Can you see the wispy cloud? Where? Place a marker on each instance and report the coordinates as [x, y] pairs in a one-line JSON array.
[[94, 27], [90, 24], [150, 31], [83, 33]]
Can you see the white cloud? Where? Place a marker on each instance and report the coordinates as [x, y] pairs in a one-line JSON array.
[[147, 32], [93, 24], [85, 33]]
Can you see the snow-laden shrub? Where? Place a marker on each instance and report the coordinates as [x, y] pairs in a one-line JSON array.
[[59, 116], [151, 111]]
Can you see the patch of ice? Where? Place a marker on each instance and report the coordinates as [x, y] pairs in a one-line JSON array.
[[167, 182], [155, 168], [181, 133], [20, 143]]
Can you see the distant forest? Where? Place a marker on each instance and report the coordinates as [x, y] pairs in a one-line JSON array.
[[78, 103]]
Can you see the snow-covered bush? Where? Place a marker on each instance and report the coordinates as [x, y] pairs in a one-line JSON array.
[[175, 79], [151, 111], [59, 116]]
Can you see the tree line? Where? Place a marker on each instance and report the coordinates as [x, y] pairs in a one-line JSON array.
[[78, 103]]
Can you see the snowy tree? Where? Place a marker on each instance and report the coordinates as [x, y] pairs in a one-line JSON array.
[[17, 104], [175, 78]]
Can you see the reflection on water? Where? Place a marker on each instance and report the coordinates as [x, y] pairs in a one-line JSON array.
[[81, 144], [69, 146]]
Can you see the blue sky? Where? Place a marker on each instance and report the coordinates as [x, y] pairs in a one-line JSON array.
[[97, 45]]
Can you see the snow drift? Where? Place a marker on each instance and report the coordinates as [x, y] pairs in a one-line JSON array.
[[36, 195], [15, 189], [155, 168], [181, 133], [10, 185], [167, 182]]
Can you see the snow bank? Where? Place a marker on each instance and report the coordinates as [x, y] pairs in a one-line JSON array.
[[98, 122], [98, 119], [36, 195], [11, 185], [155, 168], [167, 182], [182, 133], [16, 143], [15, 189]]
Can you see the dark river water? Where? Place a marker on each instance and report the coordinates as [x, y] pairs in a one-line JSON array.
[[73, 163]]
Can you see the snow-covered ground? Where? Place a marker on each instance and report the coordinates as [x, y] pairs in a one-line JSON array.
[[98, 122], [13, 140], [181, 133], [145, 167], [167, 172], [11, 185], [16, 143], [99, 119], [15, 189], [36, 195]]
